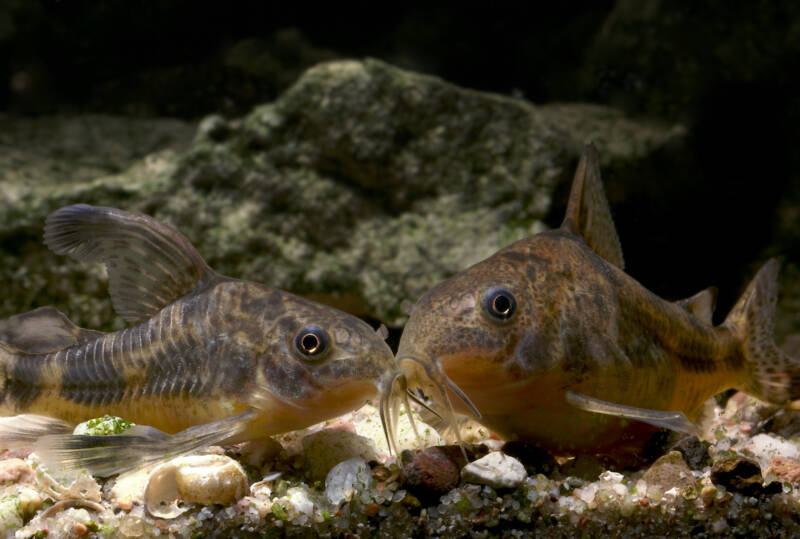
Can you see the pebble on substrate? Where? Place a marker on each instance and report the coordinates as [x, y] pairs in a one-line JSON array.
[[430, 471], [740, 474], [325, 449], [668, 472], [785, 469], [766, 446], [496, 469], [13, 471], [346, 478], [694, 451], [535, 459]]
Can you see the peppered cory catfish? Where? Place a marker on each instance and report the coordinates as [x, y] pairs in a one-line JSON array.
[[549, 340], [224, 358]]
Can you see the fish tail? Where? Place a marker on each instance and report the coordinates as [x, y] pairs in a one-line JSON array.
[[772, 375]]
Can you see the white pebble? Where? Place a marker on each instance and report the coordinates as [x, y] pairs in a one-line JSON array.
[[345, 478], [300, 500], [496, 469]]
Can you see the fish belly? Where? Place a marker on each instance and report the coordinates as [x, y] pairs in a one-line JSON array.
[[170, 414]]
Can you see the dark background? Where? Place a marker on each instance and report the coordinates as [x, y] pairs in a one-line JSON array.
[[724, 70]]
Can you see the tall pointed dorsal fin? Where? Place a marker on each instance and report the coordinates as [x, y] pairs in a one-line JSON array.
[[149, 264], [588, 214], [42, 331], [702, 304]]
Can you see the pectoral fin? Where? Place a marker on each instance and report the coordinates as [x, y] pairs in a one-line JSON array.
[[149, 264], [668, 420], [23, 430], [137, 447], [42, 331]]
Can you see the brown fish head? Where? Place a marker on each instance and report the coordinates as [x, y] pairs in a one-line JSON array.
[[316, 362], [485, 329], [318, 356]]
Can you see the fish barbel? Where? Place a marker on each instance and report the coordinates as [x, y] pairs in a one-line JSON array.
[[549, 341], [208, 359]]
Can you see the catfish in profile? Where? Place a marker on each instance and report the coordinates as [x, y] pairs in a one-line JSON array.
[[549, 341], [208, 359]]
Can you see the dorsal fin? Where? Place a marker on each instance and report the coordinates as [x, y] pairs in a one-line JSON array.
[[42, 331], [588, 214], [702, 304], [149, 264]]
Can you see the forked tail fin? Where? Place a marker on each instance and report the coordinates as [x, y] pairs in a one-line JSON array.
[[773, 375]]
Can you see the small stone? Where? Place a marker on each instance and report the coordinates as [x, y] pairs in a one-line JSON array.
[[325, 449], [346, 478], [668, 472], [738, 474], [10, 513], [766, 446], [14, 471], [30, 501], [707, 494], [586, 467], [255, 453], [103, 426], [496, 469], [785, 469], [431, 470], [719, 525], [535, 459], [300, 500], [694, 452]]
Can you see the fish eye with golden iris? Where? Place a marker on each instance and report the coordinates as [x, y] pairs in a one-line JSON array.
[[546, 348]]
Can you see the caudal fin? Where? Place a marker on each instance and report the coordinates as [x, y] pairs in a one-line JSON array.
[[773, 376]]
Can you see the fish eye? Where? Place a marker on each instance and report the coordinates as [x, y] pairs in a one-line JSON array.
[[499, 303], [312, 342]]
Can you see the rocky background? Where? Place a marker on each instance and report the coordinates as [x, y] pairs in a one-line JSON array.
[[363, 182]]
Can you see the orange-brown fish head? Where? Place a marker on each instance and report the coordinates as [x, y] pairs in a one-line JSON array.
[[480, 330]]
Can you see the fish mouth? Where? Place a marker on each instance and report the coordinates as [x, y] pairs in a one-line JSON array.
[[436, 375]]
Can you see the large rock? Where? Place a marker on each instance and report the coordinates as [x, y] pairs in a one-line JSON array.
[[362, 185]]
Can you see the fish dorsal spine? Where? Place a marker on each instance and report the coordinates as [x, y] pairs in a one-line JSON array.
[[149, 264], [588, 214]]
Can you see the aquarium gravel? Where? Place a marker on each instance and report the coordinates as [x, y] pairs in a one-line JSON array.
[[371, 499]]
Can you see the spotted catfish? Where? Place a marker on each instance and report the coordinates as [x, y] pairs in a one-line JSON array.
[[549, 340], [207, 359]]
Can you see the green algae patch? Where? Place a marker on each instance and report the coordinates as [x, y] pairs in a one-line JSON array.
[[103, 426]]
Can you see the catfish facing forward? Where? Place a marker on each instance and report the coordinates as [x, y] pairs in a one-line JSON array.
[[226, 359], [549, 341]]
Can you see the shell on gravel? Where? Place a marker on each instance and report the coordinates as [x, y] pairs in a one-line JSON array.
[[203, 479]]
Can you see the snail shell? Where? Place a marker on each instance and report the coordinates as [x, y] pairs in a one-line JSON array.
[[203, 479]]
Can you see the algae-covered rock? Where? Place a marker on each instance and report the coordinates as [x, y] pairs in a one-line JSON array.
[[103, 426], [362, 185]]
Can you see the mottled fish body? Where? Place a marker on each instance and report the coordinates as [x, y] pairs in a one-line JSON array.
[[551, 342], [204, 348]]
